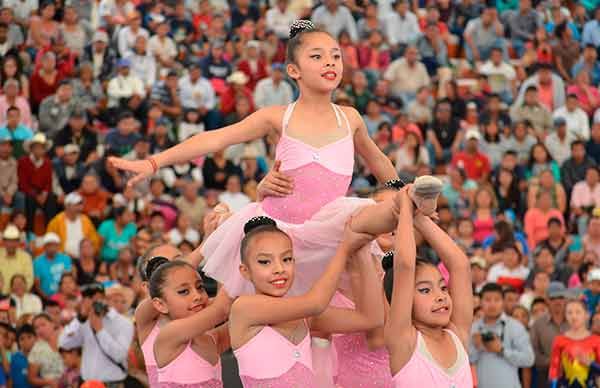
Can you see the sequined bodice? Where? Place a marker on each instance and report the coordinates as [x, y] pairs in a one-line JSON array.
[[189, 370], [288, 365], [320, 174], [358, 366]]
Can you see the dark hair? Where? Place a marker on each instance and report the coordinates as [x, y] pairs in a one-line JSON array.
[[539, 300], [153, 265], [254, 227], [13, 108], [576, 143], [17, 276], [509, 290], [583, 270], [159, 275], [66, 275], [554, 221], [143, 261], [25, 329], [42, 316], [387, 262], [531, 88], [560, 29], [531, 160], [298, 29], [491, 287]]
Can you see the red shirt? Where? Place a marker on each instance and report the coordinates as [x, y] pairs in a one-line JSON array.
[[563, 359], [34, 180], [475, 166], [255, 76]]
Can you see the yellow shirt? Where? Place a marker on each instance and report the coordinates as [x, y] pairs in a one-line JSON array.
[[20, 264]]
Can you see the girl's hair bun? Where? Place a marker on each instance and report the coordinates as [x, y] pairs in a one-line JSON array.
[[299, 26], [388, 260], [153, 264], [395, 184], [255, 222]]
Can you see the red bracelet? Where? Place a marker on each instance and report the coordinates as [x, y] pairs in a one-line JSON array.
[[154, 164]]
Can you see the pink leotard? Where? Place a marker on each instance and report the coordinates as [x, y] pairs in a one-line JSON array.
[[423, 371], [189, 370], [320, 174], [269, 360], [357, 365], [148, 351]]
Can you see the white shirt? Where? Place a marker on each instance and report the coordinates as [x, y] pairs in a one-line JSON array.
[[280, 22], [578, 123], [500, 76], [198, 94], [559, 150], [191, 235], [27, 304], [268, 94], [124, 87], [164, 49], [187, 130], [235, 201], [334, 23], [499, 270], [126, 38], [115, 337], [74, 236], [143, 66], [400, 29], [22, 9]]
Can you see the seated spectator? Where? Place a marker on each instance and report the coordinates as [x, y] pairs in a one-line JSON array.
[[521, 141], [374, 56], [565, 51], [65, 59], [42, 26], [402, 26], [125, 90], [536, 219], [476, 164], [232, 196], [550, 86], [11, 99], [49, 267], [216, 169], [358, 91], [14, 260], [182, 28], [128, 35], [406, 75], [197, 93], [161, 138], [510, 271], [116, 234], [55, 110], [87, 267], [106, 175], [162, 46], [540, 161], [166, 95], [532, 110], [573, 169], [68, 169], [190, 203], [587, 95], [238, 87], [444, 133], [279, 18], [19, 365], [73, 30], [419, 110], [501, 75], [100, 55], [592, 146], [557, 242], [335, 18], [538, 288], [432, 49], [373, 117], [588, 62], [67, 296], [45, 80], [10, 198], [482, 34], [71, 226], [253, 64], [411, 154], [349, 52], [78, 133], [190, 125], [591, 240], [214, 65], [143, 64], [183, 231], [95, 198], [585, 197], [25, 301], [15, 132], [122, 138], [35, 178], [45, 363], [558, 143], [72, 374], [88, 90]]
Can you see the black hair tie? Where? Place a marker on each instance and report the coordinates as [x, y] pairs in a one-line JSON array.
[[387, 262], [153, 264], [255, 222]]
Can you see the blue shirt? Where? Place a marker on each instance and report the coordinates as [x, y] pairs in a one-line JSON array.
[[18, 371], [21, 133], [591, 300], [591, 33], [114, 242], [50, 271]]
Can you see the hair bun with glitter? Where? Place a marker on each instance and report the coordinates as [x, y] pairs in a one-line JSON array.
[[255, 222], [153, 264], [387, 262], [299, 26]]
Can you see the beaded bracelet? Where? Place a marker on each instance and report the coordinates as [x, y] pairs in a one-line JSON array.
[[396, 184], [153, 164]]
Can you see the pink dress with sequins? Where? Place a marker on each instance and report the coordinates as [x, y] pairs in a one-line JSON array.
[[148, 351], [269, 360], [313, 216], [189, 370], [357, 365]]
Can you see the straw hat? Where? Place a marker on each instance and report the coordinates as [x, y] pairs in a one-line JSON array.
[[238, 78], [38, 138]]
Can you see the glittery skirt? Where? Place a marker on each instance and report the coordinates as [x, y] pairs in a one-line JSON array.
[[214, 383], [315, 242], [152, 371], [299, 376]]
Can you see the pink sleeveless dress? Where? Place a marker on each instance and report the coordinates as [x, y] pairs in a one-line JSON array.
[[148, 351], [189, 370], [357, 365], [269, 360], [313, 216], [422, 371]]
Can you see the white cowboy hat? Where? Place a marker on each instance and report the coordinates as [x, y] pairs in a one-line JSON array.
[[238, 78], [38, 138]]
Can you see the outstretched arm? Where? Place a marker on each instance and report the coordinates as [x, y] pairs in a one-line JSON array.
[[258, 124]]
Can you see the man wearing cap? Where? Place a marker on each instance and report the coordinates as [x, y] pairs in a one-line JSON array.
[[578, 123], [56, 109], [476, 164], [15, 131], [237, 87], [546, 328], [49, 267], [530, 108], [253, 65], [197, 93], [71, 226], [76, 132], [10, 198], [558, 142], [273, 90], [100, 55], [12, 97], [166, 95], [125, 89], [13, 259], [35, 178]]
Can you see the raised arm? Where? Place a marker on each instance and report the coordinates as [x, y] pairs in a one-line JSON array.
[[256, 310], [460, 273], [257, 125], [399, 330]]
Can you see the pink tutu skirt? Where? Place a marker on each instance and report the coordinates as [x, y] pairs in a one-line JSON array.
[[315, 242]]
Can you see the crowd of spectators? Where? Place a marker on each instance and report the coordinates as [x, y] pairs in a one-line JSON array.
[[500, 99]]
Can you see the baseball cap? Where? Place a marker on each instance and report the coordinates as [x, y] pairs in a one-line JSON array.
[[559, 121], [50, 238], [11, 233], [557, 290], [473, 134], [594, 274], [73, 199], [124, 62], [478, 261]]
